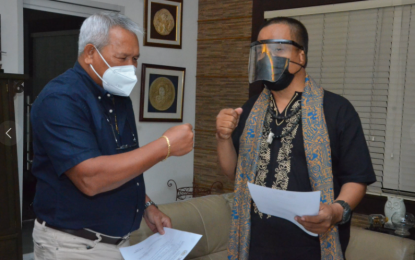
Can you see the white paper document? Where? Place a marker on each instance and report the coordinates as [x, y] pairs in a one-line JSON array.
[[173, 245], [286, 204]]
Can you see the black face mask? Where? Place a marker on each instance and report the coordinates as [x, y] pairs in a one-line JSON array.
[[279, 69]]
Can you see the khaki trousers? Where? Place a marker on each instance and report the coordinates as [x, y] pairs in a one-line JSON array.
[[51, 244]]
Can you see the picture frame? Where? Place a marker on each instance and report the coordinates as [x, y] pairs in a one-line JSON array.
[[163, 21], [162, 93]]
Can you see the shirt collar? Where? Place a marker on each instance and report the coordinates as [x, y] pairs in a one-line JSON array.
[[96, 89]]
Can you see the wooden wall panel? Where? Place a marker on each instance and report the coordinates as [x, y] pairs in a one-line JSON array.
[[224, 36], [240, 27], [221, 92], [214, 94], [225, 58], [217, 9], [205, 140], [208, 170]]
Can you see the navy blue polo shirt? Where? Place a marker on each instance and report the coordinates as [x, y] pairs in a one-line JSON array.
[[73, 120]]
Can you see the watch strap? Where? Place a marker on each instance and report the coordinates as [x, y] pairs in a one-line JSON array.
[[149, 203], [347, 212]]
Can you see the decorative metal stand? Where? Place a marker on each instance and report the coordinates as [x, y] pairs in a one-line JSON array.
[[194, 191]]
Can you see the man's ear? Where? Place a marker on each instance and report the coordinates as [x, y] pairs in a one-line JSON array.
[[303, 57], [88, 53]]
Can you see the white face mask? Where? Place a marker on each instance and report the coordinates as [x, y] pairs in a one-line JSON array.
[[118, 80]]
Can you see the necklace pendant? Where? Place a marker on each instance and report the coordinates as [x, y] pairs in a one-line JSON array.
[[270, 138]]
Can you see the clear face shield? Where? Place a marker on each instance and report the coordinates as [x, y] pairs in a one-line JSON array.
[[267, 59]]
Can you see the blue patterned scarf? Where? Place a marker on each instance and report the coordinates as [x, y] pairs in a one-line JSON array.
[[318, 156]]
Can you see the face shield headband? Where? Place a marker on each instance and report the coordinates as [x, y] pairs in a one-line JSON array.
[[267, 60]]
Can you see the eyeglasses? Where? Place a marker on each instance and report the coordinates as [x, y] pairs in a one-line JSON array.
[[276, 41], [134, 144]]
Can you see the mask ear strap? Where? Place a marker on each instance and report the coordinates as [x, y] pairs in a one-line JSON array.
[[301, 66], [96, 73], [102, 57]]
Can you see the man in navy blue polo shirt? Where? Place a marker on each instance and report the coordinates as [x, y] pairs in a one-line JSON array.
[[90, 193]]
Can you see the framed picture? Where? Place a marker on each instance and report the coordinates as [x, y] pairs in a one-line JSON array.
[[162, 93], [163, 23]]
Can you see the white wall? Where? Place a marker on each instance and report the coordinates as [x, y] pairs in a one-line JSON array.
[[179, 169]]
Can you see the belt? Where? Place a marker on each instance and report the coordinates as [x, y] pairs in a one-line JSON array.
[[83, 233]]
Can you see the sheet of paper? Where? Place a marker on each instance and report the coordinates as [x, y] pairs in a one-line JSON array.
[[174, 244], [286, 204]]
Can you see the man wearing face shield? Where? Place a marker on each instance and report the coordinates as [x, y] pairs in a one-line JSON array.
[[90, 193], [294, 136]]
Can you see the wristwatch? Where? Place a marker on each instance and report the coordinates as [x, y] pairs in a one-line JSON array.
[[148, 204], [347, 212]]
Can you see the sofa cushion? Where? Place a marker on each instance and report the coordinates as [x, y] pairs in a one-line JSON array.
[[365, 244], [221, 255], [208, 216]]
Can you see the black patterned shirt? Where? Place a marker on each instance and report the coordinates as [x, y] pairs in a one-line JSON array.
[[284, 167]]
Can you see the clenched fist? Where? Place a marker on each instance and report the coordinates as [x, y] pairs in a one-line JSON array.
[[181, 139], [226, 122]]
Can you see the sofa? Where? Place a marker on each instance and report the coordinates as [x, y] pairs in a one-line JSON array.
[[210, 216]]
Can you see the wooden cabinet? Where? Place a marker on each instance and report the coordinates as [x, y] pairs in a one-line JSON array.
[[10, 223]]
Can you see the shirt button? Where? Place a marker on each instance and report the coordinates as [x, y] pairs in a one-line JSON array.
[[108, 95], [99, 97], [138, 184], [110, 110], [138, 210]]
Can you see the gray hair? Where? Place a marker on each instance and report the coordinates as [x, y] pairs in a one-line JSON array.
[[95, 29]]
